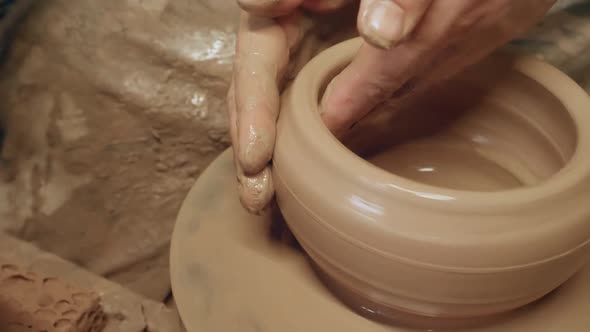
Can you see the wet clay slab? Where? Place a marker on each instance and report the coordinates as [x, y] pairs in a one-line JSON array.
[[125, 310], [30, 302], [232, 272]]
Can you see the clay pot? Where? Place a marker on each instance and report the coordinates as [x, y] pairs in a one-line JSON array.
[[477, 203]]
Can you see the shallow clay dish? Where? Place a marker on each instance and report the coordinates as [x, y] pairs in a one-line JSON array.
[[234, 272], [474, 203]]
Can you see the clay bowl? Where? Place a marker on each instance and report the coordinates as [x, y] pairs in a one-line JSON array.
[[474, 202]]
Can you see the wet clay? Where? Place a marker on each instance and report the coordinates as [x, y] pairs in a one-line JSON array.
[[29, 302], [468, 138], [125, 310], [473, 205], [234, 272]]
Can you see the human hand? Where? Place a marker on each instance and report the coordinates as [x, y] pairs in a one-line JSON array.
[[412, 44], [409, 45], [264, 49]]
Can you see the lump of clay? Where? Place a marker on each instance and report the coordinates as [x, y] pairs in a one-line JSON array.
[[33, 303]]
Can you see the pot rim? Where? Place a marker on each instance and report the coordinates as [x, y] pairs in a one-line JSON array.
[[576, 170]]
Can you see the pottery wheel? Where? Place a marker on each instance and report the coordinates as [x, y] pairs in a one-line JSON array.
[[235, 272]]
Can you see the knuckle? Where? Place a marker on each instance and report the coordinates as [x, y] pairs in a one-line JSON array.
[[380, 90]]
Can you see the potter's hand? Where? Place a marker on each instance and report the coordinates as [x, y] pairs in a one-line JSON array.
[[411, 44], [262, 55]]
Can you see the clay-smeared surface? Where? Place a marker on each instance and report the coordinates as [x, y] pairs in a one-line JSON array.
[[125, 310], [29, 302], [232, 271]]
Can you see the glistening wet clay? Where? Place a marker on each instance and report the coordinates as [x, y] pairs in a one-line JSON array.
[[475, 138], [473, 204]]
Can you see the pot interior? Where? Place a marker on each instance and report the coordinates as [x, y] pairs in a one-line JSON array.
[[490, 128]]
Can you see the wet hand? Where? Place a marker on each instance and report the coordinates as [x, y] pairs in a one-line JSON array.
[[269, 32]]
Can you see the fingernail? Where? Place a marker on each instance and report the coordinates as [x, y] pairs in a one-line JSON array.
[[382, 23]]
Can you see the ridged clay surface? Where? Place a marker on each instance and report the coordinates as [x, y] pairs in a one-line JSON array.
[[30, 302], [471, 197]]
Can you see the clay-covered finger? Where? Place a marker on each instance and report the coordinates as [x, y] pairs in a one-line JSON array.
[[258, 104], [269, 8], [261, 57], [255, 191], [384, 23], [232, 114]]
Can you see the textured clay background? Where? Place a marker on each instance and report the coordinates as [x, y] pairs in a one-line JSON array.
[[112, 109]]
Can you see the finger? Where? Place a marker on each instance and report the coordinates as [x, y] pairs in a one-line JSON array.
[[261, 57], [269, 8], [441, 44], [255, 192], [369, 79], [323, 6], [375, 74], [385, 23]]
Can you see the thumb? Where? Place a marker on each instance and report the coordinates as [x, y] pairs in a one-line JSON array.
[[384, 23]]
